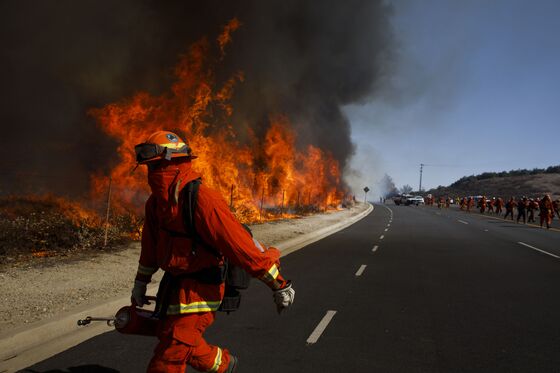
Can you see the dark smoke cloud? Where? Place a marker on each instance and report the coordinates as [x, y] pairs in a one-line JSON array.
[[305, 59]]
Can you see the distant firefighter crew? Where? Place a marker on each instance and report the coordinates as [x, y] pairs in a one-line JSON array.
[[190, 233]]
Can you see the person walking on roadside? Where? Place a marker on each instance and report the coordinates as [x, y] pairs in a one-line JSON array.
[[463, 203], [499, 205], [521, 209], [510, 205], [546, 211], [193, 246], [482, 204], [532, 205], [556, 207], [470, 203], [490, 205]]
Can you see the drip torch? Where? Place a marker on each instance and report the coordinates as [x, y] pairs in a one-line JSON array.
[[129, 320]]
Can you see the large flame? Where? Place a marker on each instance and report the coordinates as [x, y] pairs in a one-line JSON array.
[[253, 176]]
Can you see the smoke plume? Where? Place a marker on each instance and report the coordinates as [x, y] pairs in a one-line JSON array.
[[303, 59]]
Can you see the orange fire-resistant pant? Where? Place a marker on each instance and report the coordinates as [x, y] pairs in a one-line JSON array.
[[546, 217], [181, 344]]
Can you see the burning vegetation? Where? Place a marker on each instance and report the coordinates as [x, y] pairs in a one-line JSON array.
[[256, 175], [44, 226], [264, 178], [258, 98]]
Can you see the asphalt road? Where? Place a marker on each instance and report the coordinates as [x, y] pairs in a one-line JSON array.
[[415, 289]]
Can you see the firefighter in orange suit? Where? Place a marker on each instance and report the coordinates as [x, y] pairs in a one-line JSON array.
[[546, 211], [531, 207], [190, 306], [556, 206], [499, 205], [482, 204], [491, 204], [510, 205]]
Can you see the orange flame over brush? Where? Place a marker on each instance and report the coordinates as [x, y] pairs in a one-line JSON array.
[[258, 172]]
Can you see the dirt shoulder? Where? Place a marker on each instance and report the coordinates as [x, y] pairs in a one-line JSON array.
[[31, 294]]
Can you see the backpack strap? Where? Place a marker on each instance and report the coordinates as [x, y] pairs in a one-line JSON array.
[[189, 207], [190, 198]]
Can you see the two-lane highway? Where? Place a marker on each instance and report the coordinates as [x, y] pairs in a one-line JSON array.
[[406, 289]]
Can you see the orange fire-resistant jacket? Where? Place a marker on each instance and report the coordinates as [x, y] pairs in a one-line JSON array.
[[546, 208], [166, 245]]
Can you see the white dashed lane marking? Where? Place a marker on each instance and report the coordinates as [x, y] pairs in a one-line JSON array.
[[542, 251], [382, 237], [361, 270], [314, 337], [375, 248], [462, 221]]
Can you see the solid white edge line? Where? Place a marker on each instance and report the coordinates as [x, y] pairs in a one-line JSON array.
[[462, 221], [314, 337], [375, 248], [542, 251], [361, 270], [382, 237]]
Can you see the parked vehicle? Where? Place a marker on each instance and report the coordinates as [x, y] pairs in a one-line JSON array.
[[401, 199], [415, 200]]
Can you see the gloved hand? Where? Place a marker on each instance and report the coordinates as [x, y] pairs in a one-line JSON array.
[[284, 297], [139, 293]]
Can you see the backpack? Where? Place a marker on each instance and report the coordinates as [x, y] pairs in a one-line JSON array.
[[235, 277]]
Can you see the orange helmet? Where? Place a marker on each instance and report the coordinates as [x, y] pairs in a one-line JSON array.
[[162, 145]]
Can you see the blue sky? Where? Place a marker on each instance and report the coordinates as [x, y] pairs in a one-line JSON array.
[[474, 87]]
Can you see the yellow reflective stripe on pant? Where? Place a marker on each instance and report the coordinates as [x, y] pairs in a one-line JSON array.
[[177, 309], [217, 361], [271, 274]]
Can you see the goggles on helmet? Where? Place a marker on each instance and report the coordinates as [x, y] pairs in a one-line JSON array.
[[147, 151]]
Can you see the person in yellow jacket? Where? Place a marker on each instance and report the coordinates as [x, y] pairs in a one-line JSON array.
[[193, 288]]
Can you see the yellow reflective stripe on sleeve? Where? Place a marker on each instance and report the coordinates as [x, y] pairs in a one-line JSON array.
[[177, 309], [217, 361], [271, 274], [147, 271]]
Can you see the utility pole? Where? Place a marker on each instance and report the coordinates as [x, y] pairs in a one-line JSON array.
[[420, 186]]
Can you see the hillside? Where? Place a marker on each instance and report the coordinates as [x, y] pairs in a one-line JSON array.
[[505, 184]]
